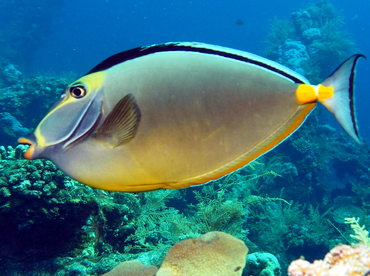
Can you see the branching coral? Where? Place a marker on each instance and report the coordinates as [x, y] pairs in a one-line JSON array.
[[361, 234], [156, 226], [298, 228]]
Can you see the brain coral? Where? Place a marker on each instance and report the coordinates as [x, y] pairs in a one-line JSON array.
[[214, 253]]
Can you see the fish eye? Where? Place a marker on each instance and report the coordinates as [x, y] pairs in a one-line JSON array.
[[77, 91]]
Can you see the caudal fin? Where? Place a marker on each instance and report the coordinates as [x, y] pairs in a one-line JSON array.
[[342, 103]]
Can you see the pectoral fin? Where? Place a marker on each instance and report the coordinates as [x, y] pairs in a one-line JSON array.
[[121, 124]]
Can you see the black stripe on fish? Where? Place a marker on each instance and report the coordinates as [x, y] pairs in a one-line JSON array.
[[351, 80], [143, 51], [351, 97]]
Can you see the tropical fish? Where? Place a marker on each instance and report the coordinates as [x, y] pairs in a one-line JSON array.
[[180, 114]]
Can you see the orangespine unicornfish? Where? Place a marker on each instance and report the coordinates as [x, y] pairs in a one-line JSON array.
[[175, 115]]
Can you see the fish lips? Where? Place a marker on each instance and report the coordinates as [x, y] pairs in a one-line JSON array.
[[30, 153], [63, 127]]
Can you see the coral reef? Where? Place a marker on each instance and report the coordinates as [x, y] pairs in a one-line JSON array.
[[311, 41], [342, 260], [262, 264], [291, 202], [11, 128], [361, 234], [132, 268], [89, 231], [53, 198], [56, 217], [214, 253], [51, 215], [293, 54], [19, 95]]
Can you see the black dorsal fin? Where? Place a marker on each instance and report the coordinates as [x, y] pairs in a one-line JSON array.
[[198, 48], [121, 124]]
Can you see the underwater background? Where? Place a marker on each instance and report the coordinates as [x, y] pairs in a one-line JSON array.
[[289, 203]]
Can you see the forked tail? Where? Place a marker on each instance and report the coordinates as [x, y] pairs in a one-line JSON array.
[[341, 104]]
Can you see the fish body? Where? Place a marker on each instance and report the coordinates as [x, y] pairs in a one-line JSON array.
[[180, 114]]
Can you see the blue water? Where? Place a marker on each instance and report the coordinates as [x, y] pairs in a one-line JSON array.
[[86, 32]]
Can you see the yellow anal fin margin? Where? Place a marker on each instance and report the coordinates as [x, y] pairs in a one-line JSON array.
[[266, 145]]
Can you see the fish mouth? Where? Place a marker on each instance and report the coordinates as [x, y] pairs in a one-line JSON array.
[[29, 154]]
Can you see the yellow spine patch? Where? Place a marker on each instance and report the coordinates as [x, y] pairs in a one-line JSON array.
[[325, 92], [306, 93]]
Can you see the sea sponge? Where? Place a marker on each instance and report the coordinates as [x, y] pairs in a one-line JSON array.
[[214, 253], [132, 268]]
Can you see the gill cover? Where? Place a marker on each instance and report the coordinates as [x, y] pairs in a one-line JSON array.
[[75, 116]]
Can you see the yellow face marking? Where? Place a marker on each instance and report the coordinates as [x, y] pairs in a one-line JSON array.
[[91, 83], [39, 137]]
